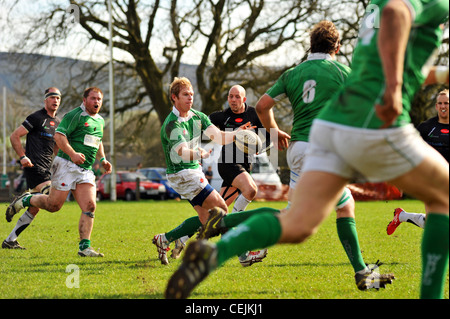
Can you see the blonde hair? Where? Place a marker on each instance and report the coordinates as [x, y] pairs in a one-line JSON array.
[[177, 85], [443, 92]]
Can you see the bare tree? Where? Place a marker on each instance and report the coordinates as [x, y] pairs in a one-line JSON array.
[[226, 37], [216, 43]]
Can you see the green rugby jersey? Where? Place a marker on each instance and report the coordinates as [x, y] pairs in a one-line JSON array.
[[308, 87], [355, 104], [84, 133], [177, 130]]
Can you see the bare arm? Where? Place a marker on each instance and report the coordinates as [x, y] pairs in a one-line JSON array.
[[216, 135], [102, 159], [225, 137], [392, 41], [267, 118], [188, 154], [17, 145]]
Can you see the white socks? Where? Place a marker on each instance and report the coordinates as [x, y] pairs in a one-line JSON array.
[[184, 239], [240, 204], [22, 223], [414, 218]]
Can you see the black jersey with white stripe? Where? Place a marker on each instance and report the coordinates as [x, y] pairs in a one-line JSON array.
[[40, 142]]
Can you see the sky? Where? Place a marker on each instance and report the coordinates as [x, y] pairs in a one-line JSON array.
[[14, 24]]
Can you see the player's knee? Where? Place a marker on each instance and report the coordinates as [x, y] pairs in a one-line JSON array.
[[301, 235], [91, 207], [293, 232], [250, 192], [54, 207], [348, 211]]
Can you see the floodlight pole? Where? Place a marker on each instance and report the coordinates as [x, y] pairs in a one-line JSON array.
[[113, 194]]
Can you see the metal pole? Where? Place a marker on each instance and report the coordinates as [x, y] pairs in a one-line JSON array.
[[4, 132], [111, 107]]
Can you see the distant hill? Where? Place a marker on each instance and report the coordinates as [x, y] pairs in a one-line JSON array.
[[30, 74], [26, 76]]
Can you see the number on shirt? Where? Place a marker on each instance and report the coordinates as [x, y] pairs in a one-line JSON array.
[[309, 91]]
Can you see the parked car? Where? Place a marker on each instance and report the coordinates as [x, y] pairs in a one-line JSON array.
[[126, 186], [158, 175], [266, 178]]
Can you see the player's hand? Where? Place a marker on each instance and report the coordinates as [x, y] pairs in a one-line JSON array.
[[26, 162], [203, 153], [283, 140], [246, 126], [392, 106], [107, 166], [78, 158]]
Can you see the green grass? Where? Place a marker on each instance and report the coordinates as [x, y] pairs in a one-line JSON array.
[[317, 269]]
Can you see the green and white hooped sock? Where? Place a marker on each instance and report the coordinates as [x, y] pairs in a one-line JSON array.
[[26, 201], [84, 243]]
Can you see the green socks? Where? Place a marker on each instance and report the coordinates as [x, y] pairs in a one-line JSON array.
[[434, 256], [188, 227], [346, 229], [26, 201], [234, 219], [260, 231], [84, 243]]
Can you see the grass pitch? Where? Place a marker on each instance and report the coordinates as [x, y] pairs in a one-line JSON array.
[[317, 269]]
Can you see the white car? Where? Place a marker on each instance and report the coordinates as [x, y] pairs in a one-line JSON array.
[[263, 172]]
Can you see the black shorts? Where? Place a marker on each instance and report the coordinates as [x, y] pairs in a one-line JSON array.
[[229, 171], [35, 176]]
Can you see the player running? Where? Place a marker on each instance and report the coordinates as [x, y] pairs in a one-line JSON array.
[[39, 128], [373, 111], [181, 135], [79, 138]]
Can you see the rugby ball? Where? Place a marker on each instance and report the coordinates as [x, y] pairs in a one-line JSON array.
[[248, 142]]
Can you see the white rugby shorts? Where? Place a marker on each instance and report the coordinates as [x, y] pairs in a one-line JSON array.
[[364, 155], [295, 156], [66, 175], [188, 182]]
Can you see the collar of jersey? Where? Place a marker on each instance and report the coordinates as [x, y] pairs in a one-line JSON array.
[[83, 107], [182, 119], [319, 56]]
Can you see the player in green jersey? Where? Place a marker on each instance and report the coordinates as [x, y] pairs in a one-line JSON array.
[[79, 139], [362, 132], [181, 135], [308, 87]]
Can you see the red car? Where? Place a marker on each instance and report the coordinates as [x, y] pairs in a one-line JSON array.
[[126, 186]]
